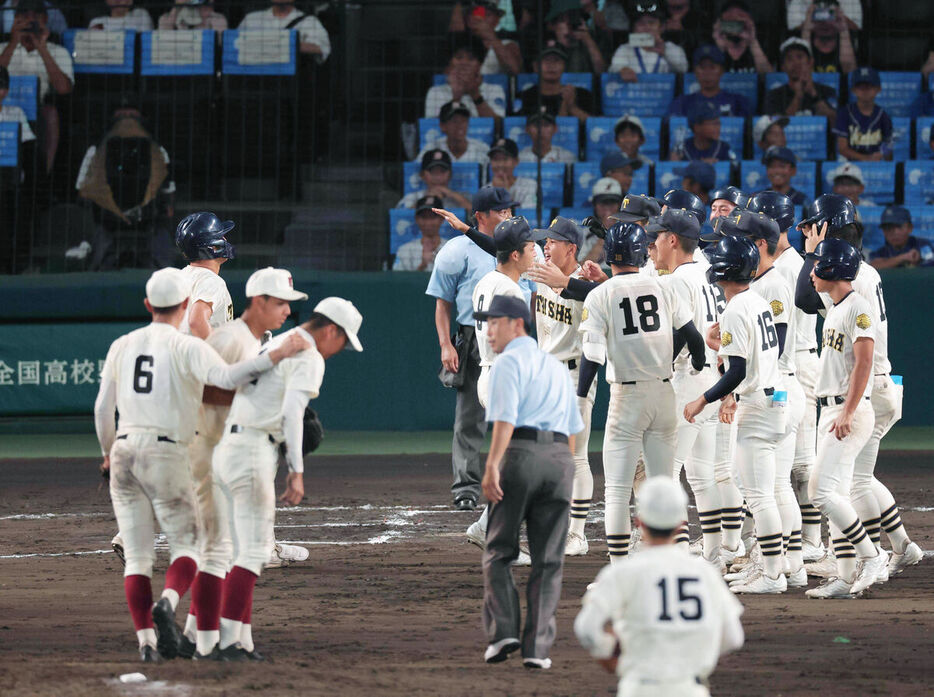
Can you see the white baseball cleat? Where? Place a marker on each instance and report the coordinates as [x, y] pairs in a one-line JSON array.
[[576, 545], [798, 578], [899, 562], [696, 547], [746, 574], [831, 588], [812, 552], [117, 545], [537, 663], [868, 571], [731, 555], [884, 573], [635, 541], [761, 585], [476, 535], [523, 559], [291, 553], [824, 568]]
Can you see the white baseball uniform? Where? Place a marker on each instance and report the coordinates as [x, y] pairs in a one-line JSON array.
[[673, 615], [264, 413], [627, 323], [493, 283], [208, 287]]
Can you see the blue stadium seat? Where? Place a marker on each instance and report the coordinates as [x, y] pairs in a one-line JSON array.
[[923, 219], [899, 91], [24, 93], [553, 180], [598, 136], [745, 84], [402, 227], [806, 136], [919, 183], [526, 80], [901, 138], [480, 127], [879, 177], [649, 96], [531, 215], [465, 177], [586, 174], [666, 179], [873, 238], [501, 79], [576, 214], [923, 125], [832, 80], [567, 135], [732, 130], [752, 177]]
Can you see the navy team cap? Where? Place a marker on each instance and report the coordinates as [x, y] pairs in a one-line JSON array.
[[895, 215], [561, 229], [743, 223], [677, 221], [511, 234]]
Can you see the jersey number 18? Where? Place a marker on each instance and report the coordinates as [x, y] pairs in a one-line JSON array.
[[647, 306]]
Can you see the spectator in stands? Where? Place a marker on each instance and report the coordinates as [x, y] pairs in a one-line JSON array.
[[827, 30], [606, 198], [193, 14], [620, 167], [56, 20], [454, 119], [558, 99], [122, 16], [780, 166], [647, 52], [29, 52], [312, 36], [685, 25], [901, 248], [801, 96], [629, 136], [735, 34], [10, 113], [127, 180], [419, 254], [769, 131], [863, 128], [705, 143], [698, 177], [436, 175], [465, 85], [504, 158], [541, 128], [848, 181], [481, 18], [799, 10], [708, 69], [568, 24]]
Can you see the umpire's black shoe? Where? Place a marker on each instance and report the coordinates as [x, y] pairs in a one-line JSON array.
[[465, 503], [186, 647], [148, 654], [168, 633]]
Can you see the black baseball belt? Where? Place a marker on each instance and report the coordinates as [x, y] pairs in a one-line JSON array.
[[236, 428], [768, 392], [161, 439], [633, 382], [833, 401], [528, 433]]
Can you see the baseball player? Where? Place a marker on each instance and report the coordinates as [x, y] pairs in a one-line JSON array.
[[846, 418], [528, 478], [723, 201], [265, 413], [748, 344], [268, 293], [628, 322], [155, 377], [662, 619], [843, 222]]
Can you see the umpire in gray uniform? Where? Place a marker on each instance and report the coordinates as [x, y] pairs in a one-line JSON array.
[[529, 472]]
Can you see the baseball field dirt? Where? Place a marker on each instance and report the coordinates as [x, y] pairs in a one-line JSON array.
[[389, 601]]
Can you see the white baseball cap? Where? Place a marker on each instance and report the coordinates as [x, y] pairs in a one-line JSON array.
[[274, 282], [848, 169], [344, 315], [167, 288], [607, 186], [764, 123], [661, 503], [629, 118]]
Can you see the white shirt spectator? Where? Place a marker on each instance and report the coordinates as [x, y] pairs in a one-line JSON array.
[[491, 64], [409, 256], [181, 17], [556, 154], [626, 56], [167, 187], [477, 151], [798, 11], [411, 199], [523, 192], [439, 95], [136, 19], [24, 62], [13, 114], [310, 29], [56, 20]]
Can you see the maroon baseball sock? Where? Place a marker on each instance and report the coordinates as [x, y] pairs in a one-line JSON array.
[[180, 574], [238, 593], [206, 593], [138, 589]]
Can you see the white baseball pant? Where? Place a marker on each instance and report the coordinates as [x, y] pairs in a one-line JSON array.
[[631, 686], [807, 367], [731, 498], [200, 453], [582, 491], [788, 507]]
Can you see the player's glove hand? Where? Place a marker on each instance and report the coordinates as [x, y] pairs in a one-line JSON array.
[[592, 223], [312, 431]]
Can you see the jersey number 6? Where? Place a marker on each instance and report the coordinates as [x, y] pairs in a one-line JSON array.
[[142, 378]]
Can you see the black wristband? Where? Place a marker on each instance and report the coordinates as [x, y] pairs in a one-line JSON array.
[[478, 100]]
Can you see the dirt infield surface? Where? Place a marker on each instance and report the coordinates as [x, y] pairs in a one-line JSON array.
[[389, 602]]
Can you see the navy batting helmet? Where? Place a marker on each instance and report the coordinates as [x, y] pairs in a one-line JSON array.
[[731, 194], [201, 236], [679, 198], [836, 210], [626, 245], [732, 259], [836, 260], [775, 205]]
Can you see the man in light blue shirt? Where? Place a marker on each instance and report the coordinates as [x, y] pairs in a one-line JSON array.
[[529, 474], [458, 266]]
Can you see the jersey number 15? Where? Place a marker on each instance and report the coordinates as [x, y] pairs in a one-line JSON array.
[[689, 606]]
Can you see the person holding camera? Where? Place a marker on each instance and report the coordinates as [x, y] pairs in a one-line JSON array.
[[827, 29], [646, 51], [735, 34], [801, 96], [464, 84], [567, 22], [798, 10], [482, 19]]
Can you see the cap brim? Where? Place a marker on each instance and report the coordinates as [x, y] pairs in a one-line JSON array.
[[289, 295], [627, 217], [808, 221], [353, 341], [503, 206], [710, 236]]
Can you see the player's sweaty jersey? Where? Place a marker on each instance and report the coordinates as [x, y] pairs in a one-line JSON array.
[[846, 321], [704, 301], [748, 331], [868, 284], [493, 283], [789, 264], [208, 287], [772, 287], [259, 404], [629, 319], [557, 321]]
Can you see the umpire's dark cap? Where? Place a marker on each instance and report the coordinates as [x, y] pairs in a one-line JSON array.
[[505, 306], [492, 198]]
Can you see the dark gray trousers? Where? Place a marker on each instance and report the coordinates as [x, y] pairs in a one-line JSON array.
[[469, 426], [536, 482]]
